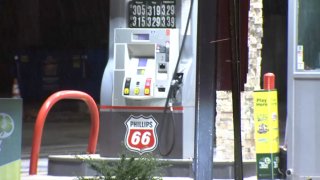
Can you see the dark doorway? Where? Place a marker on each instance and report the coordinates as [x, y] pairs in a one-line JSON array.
[[274, 51]]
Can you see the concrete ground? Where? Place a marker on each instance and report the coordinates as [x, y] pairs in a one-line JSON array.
[[58, 138], [66, 132]]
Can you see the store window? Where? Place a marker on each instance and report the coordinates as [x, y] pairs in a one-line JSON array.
[[308, 45]]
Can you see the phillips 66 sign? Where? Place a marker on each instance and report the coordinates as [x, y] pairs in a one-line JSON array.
[[141, 134]]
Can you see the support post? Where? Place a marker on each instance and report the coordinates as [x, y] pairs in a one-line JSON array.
[[234, 9], [205, 90]]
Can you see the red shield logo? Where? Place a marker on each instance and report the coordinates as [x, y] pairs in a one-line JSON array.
[[141, 134]]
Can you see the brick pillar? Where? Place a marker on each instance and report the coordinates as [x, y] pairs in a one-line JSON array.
[[224, 119]]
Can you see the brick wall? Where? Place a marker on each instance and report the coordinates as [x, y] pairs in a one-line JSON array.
[[224, 119]]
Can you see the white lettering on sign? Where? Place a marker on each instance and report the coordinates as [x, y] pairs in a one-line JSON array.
[[141, 135]]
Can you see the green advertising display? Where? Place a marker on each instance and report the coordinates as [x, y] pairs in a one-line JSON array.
[[266, 133], [10, 138]]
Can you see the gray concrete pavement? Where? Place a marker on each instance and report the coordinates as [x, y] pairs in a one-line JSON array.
[[64, 133], [58, 138]]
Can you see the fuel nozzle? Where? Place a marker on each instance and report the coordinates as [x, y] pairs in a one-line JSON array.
[[177, 78], [176, 84], [170, 106]]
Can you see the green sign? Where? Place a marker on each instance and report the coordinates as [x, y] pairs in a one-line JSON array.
[[267, 166], [10, 138]]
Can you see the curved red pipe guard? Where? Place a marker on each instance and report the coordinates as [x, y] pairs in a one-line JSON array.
[[45, 108]]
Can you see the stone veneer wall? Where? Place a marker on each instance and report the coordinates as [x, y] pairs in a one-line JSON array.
[[224, 119]]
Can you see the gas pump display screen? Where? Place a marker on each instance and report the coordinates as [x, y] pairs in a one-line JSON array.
[[152, 14], [141, 37], [142, 62]]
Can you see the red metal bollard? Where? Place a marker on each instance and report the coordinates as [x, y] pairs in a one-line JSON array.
[[44, 110], [268, 81]]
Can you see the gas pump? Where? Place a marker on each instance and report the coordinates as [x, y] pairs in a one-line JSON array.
[[148, 86], [145, 62]]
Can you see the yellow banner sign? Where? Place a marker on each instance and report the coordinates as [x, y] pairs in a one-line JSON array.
[[266, 121]]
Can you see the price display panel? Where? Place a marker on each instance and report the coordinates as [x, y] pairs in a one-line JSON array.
[[152, 14]]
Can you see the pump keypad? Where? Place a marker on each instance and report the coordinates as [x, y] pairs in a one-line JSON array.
[[141, 87]]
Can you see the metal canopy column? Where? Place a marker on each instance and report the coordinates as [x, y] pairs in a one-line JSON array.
[[235, 76], [205, 90]]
